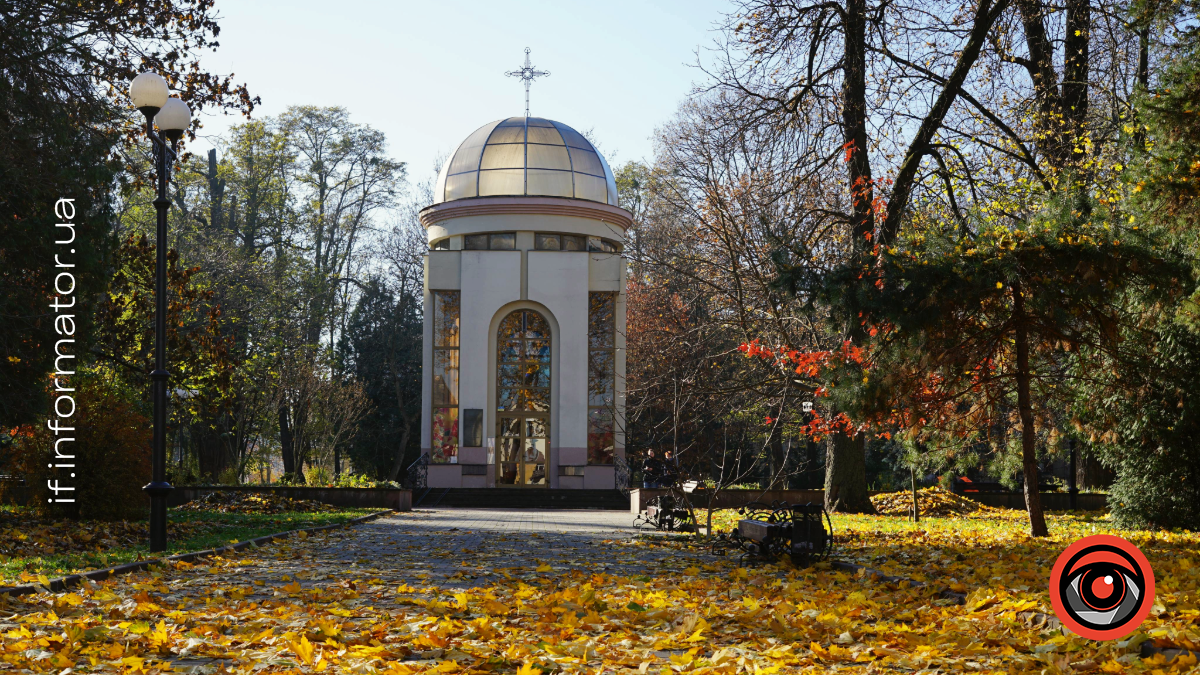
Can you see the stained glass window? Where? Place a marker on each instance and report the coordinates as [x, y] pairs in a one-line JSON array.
[[444, 431], [504, 241], [571, 242], [600, 245], [522, 398], [601, 376], [500, 241], [523, 364]]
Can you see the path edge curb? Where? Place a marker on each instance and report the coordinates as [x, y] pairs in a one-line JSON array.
[[63, 583]]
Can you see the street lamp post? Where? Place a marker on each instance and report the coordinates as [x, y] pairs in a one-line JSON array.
[[151, 96]]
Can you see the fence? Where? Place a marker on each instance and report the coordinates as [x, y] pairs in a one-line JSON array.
[[729, 499]]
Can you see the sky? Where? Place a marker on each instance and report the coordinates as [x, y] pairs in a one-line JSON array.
[[429, 73]]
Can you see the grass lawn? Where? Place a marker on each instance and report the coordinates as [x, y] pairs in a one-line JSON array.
[[31, 547]]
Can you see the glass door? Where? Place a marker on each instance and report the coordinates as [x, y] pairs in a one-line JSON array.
[[521, 456]]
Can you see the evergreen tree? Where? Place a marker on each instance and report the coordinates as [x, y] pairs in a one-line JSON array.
[[979, 340], [52, 146], [382, 348], [1145, 420], [64, 71]]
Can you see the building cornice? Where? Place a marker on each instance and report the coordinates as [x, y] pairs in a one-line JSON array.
[[547, 206]]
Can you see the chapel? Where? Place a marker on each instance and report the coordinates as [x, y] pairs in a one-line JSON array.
[[524, 292]]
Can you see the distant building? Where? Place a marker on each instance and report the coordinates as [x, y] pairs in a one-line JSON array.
[[524, 312]]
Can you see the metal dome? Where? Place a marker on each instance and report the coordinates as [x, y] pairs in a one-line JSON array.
[[526, 156]]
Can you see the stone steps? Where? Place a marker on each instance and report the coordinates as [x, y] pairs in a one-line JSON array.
[[521, 498]]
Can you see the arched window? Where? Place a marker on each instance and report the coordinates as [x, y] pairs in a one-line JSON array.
[[522, 399]]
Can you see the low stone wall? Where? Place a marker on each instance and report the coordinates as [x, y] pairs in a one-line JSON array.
[[731, 499], [1051, 501], [359, 498]]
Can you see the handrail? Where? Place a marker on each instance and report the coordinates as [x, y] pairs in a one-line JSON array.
[[417, 474]]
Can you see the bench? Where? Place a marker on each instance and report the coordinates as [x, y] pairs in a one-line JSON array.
[[797, 531], [667, 513]]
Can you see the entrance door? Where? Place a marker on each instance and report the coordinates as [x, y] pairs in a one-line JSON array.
[[523, 399], [522, 450]]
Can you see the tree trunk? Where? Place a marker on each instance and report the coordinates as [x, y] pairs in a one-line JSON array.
[[286, 443], [301, 443], [1033, 499], [854, 123], [1143, 83], [210, 453], [398, 462], [410, 421], [846, 475], [1075, 98], [846, 463], [985, 17], [777, 461], [912, 477], [1040, 64], [1089, 472], [216, 193], [813, 480], [1076, 71]]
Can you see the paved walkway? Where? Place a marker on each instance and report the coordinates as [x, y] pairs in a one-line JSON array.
[[590, 522], [466, 547], [448, 549]]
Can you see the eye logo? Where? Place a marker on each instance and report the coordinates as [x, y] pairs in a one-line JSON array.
[[1102, 587]]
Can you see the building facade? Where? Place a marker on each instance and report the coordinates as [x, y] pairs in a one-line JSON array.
[[524, 335]]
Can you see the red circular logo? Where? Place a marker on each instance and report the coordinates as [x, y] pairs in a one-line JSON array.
[[1102, 587]]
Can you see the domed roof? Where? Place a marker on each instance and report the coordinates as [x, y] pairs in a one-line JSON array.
[[526, 156]]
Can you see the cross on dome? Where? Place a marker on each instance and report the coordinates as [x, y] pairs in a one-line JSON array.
[[527, 74]]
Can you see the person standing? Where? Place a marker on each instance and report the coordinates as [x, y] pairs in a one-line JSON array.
[[651, 471], [670, 468]]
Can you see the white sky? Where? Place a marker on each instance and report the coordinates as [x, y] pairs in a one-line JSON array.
[[428, 73]]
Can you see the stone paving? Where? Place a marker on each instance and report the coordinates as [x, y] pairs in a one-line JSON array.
[[448, 549], [466, 547]]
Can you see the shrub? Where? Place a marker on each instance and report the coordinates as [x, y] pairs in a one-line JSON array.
[[1148, 430], [112, 453], [318, 475], [1162, 497], [230, 476]]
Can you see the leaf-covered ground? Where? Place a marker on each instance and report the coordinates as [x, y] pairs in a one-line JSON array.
[[31, 546], [411, 594]]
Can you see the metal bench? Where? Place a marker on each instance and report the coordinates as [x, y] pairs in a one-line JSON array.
[[797, 531], [667, 513]]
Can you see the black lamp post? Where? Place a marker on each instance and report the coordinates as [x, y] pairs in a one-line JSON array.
[[151, 96]]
